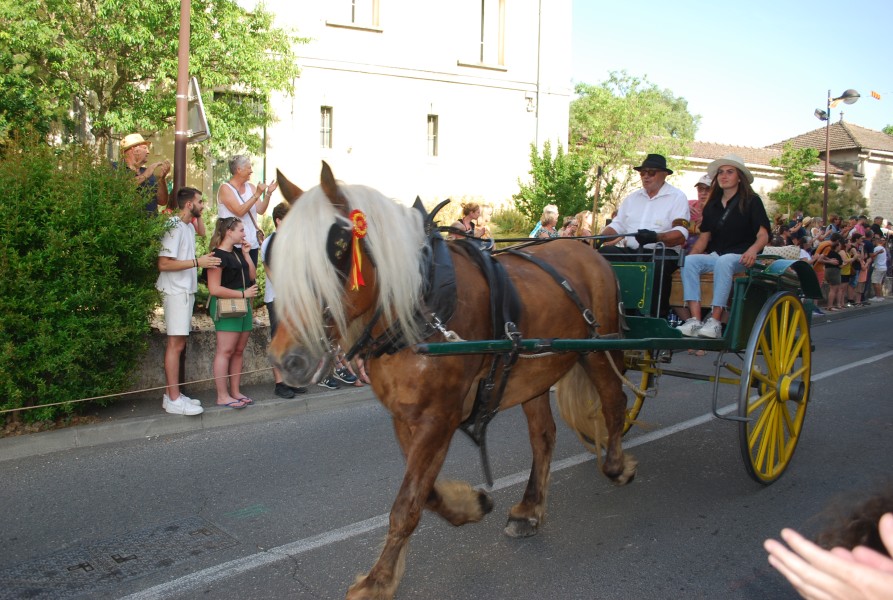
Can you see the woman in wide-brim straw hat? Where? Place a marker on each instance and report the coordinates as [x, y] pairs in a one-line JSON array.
[[734, 229]]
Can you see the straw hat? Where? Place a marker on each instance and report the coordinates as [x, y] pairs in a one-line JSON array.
[[134, 139]]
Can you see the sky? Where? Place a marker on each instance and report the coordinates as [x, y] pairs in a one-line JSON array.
[[754, 71]]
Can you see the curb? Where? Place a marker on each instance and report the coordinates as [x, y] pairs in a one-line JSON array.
[[849, 313], [159, 424]]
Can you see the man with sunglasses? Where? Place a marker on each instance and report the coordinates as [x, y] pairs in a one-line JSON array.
[[656, 212]]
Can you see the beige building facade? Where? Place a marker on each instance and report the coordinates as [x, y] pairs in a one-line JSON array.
[[415, 98]]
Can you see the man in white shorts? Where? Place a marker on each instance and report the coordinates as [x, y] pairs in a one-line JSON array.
[[880, 267], [178, 282]]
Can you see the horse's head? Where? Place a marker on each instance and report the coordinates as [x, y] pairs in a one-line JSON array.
[[342, 252]]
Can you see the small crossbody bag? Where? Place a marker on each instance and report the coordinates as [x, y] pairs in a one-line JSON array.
[[232, 308]]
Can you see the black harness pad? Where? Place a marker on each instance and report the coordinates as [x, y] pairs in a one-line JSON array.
[[505, 305]]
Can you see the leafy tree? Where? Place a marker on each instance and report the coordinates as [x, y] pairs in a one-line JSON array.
[[800, 189], [888, 130], [562, 180], [613, 122], [846, 198], [94, 68]]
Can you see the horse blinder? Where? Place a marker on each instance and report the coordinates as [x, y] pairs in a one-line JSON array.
[[338, 245]]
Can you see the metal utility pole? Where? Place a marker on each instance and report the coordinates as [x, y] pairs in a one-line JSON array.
[[181, 128]]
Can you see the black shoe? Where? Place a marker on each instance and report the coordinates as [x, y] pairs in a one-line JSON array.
[[343, 375], [329, 383], [283, 391], [298, 390]]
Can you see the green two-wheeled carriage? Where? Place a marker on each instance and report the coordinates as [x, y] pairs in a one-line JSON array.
[[765, 351]]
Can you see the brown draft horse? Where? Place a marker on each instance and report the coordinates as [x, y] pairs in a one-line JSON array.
[[428, 396]]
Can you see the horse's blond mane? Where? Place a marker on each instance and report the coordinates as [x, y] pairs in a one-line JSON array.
[[306, 282]]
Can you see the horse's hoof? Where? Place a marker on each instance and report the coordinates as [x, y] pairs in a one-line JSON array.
[[630, 467], [521, 528], [485, 501]]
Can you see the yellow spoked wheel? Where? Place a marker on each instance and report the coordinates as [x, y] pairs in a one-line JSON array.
[[774, 387], [644, 365]]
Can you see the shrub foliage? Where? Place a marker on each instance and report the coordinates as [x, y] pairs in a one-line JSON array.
[[562, 180], [79, 261]]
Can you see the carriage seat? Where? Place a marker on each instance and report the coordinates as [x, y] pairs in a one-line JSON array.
[[676, 295]]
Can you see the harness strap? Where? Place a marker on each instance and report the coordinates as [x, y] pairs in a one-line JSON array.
[[566, 286], [505, 311]]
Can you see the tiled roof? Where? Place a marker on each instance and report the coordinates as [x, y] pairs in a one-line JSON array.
[[842, 136], [711, 151], [708, 151]]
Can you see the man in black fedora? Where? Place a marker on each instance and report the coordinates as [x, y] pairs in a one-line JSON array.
[[656, 212]]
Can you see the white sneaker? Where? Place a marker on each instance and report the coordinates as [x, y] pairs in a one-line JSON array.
[[166, 399], [181, 406], [691, 327], [711, 329], [877, 298]]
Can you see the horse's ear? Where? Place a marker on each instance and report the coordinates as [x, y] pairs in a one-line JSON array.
[[330, 188], [290, 191]]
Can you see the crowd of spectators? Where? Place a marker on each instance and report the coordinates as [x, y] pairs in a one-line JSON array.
[[851, 257]]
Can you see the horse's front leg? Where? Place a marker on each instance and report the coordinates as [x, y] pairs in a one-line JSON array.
[[426, 447], [618, 467], [455, 501], [526, 516]]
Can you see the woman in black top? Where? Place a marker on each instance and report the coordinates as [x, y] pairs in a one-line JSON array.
[[734, 229], [234, 279], [833, 262]]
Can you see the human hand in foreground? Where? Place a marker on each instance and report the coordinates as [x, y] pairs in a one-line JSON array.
[[646, 236], [819, 574]]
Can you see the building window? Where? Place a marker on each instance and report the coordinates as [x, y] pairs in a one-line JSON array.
[[492, 34], [325, 126], [432, 135], [359, 15], [364, 12]]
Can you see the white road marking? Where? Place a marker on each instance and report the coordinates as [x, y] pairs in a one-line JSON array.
[[232, 568]]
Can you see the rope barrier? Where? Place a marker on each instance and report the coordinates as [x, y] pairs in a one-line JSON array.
[[152, 389]]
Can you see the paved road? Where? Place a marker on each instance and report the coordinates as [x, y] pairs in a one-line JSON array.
[[295, 507]]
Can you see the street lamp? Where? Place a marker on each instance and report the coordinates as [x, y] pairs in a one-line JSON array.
[[848, 97]]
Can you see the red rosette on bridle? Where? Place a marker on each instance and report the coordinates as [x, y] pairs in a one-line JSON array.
[[359, 232]]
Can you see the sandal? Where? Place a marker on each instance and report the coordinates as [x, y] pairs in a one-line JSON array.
[[234, 404], [246, 400]]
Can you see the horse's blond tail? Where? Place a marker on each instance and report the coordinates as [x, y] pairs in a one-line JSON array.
[[579, 404]]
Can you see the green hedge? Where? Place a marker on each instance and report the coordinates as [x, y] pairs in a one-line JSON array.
[[78, 264]]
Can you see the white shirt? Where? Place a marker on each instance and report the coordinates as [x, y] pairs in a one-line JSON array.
[[178, 243], [242, 196], [269, 292], [639, 211], [880, 258]]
